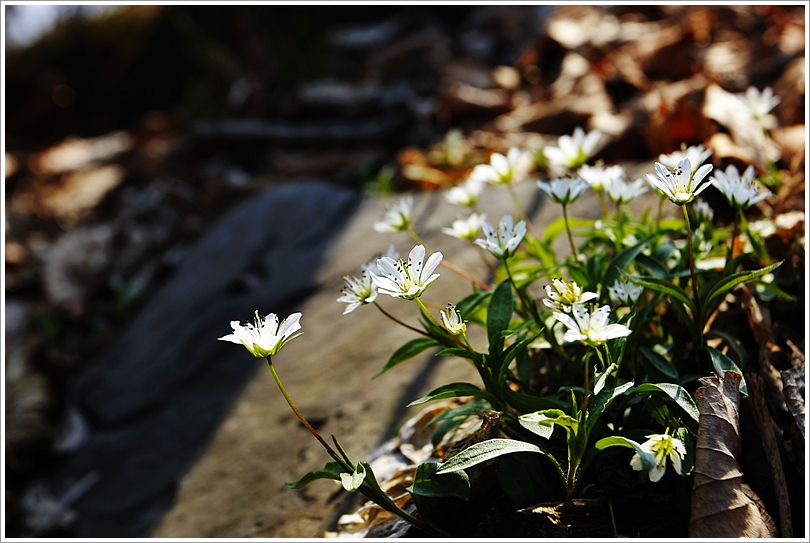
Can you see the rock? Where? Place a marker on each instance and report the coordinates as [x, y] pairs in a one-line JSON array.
[[155, 397]]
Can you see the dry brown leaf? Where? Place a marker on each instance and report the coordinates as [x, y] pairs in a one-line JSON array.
[[721, 506]]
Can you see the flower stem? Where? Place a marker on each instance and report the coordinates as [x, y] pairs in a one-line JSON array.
[[339, 459], [527, 308], [521, 211], [568, 231], [449, 265], [601, 195], [730, 253], [698, 310], [660, 211], [396, 320]]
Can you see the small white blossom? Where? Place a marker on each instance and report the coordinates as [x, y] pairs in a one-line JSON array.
[[371, 265], [500, 170], [696, 154], [680, 185], [466, 229], [572, 151], [599, 177], [740, 191], [398, 217], [660, 446], [562, 295], [703, 211], [563, 191], [504, 243], [626, 293], [407, 281], [451, 319], [467, 193], [265, 337], [622, 192], [590, 328], [357, 292], [759, 105]]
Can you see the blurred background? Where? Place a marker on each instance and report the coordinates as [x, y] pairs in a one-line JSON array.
[[129, 130]]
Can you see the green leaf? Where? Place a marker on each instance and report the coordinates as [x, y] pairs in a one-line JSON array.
[[653, 266], [332, 470], [732, 281], [428, 483], [457, 351], [659, 362], [722, 364], [471, 303], [647, 458], [623, 260], [542, 422], [342, 452], [734, 343], [601, 401], [601, 378], [660, 285], [499, 312], [487, 450], [678, 394], [526, 403], [407, 351], [353, 481], [455, 390]]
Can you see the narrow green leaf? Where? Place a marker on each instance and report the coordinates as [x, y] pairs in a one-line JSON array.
[[600, 379], [660, 285], [677, 393], [722, 364], [454, 390], [623, 259], [471, 303], [732, 281], [659, 362], [487, 450], [499, 312], [332, 470], [734, 343], [647, 458], [653, 266], [456, 351], [600, 402], [526, 403], [407, 351], [428, 483], [342, 452]]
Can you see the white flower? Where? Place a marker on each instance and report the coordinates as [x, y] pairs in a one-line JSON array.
[[703, 211], [680, 185], [406, 281], [451, 319], [599, 177], [572, 152], [564, 191], [466, 229], [590, 328], [467, 193], [626, 293], [398, 217], [562, 295], [357, 292], [660, 446], [371, 265], [696, 154], [760, 104], [500, 169], [504, 243], [621, 192], [265, 337], [740, 191]]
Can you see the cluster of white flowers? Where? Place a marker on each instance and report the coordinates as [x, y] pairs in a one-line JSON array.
[[741, 191]]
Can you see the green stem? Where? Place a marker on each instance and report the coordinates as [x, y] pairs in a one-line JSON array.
[[396, 320], [526, 307], [730, 253], [568, 231], [601, 195], [698, 309], [521, 211], [339, 459], [436, 322], [660, 212]]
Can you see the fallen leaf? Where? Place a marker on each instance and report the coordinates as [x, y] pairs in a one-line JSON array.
[[721, 506]]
